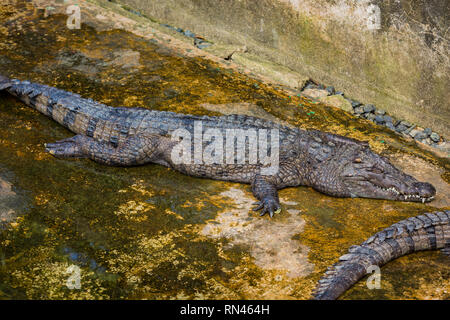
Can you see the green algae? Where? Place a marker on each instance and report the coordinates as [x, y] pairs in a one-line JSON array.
[[136, 232]]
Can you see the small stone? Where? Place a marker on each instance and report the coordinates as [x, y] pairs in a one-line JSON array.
[[421, 135], [380, 112], [201, 44], [340, 93], [204, 45], [400, 128], [379, 119], [321, 87], [369, 108], [388, 119], [435, 137], [421, 140], [330, 90], [427, 131], [406, 123], [359, 110], [390, 125], [407, 131], [189, 34], [413, 132], [371, 116], [355, 104]]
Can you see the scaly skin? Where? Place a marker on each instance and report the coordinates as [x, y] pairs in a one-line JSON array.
[[429, 231], [332, 164]]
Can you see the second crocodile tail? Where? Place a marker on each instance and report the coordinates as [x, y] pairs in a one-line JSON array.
[[429, 231]]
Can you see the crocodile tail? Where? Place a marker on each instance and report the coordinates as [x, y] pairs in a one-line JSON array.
[[5, 82], [424, 232], [69, 109]]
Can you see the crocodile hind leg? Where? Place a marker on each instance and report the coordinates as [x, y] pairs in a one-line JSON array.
[[134, 150], [67, 148]]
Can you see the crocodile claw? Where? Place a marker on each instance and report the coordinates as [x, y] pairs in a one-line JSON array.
[[259, 205], [268, 205]]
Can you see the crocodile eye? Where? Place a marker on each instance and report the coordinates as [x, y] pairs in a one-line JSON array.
[[376, 170], [357, 160]]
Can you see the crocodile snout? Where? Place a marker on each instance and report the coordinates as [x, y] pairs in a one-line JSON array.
[[425, 189]]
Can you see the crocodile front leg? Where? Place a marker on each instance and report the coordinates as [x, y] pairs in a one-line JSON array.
[[135, 150], [265, 187], [266, 192]]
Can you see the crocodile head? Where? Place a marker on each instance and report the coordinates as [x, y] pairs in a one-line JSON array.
[[355, 171]]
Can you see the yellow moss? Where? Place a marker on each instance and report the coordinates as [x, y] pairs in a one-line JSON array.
[[176, 215], [134, 211]]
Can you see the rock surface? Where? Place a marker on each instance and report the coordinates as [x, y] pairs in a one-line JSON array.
[[263, 237], [337, 101], [315, 93]]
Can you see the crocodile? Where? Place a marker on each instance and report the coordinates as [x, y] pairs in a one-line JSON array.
[[429, 231], [121, 136]]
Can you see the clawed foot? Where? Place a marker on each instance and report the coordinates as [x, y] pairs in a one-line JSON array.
[[268, 205], [66, 148]]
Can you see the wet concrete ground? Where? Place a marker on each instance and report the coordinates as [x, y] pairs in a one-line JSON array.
[[150, 232]]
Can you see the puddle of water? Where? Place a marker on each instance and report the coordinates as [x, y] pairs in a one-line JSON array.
[[13, 201], [270, 243]]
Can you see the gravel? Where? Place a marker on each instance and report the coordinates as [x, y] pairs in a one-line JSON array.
[[359, 110], [355, 104], [371, 116], [379, 116], [379, 119], [330, 90], [400, 128], [421, 135], [388, 119], [369, 108], [427, 131], [435, 137], [189, 34], [406, 124]]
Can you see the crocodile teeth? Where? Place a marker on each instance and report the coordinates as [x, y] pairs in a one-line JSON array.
[[417, 197], [406, 196]]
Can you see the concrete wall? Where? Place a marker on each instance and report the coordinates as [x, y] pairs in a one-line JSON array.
[[401, 66]]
